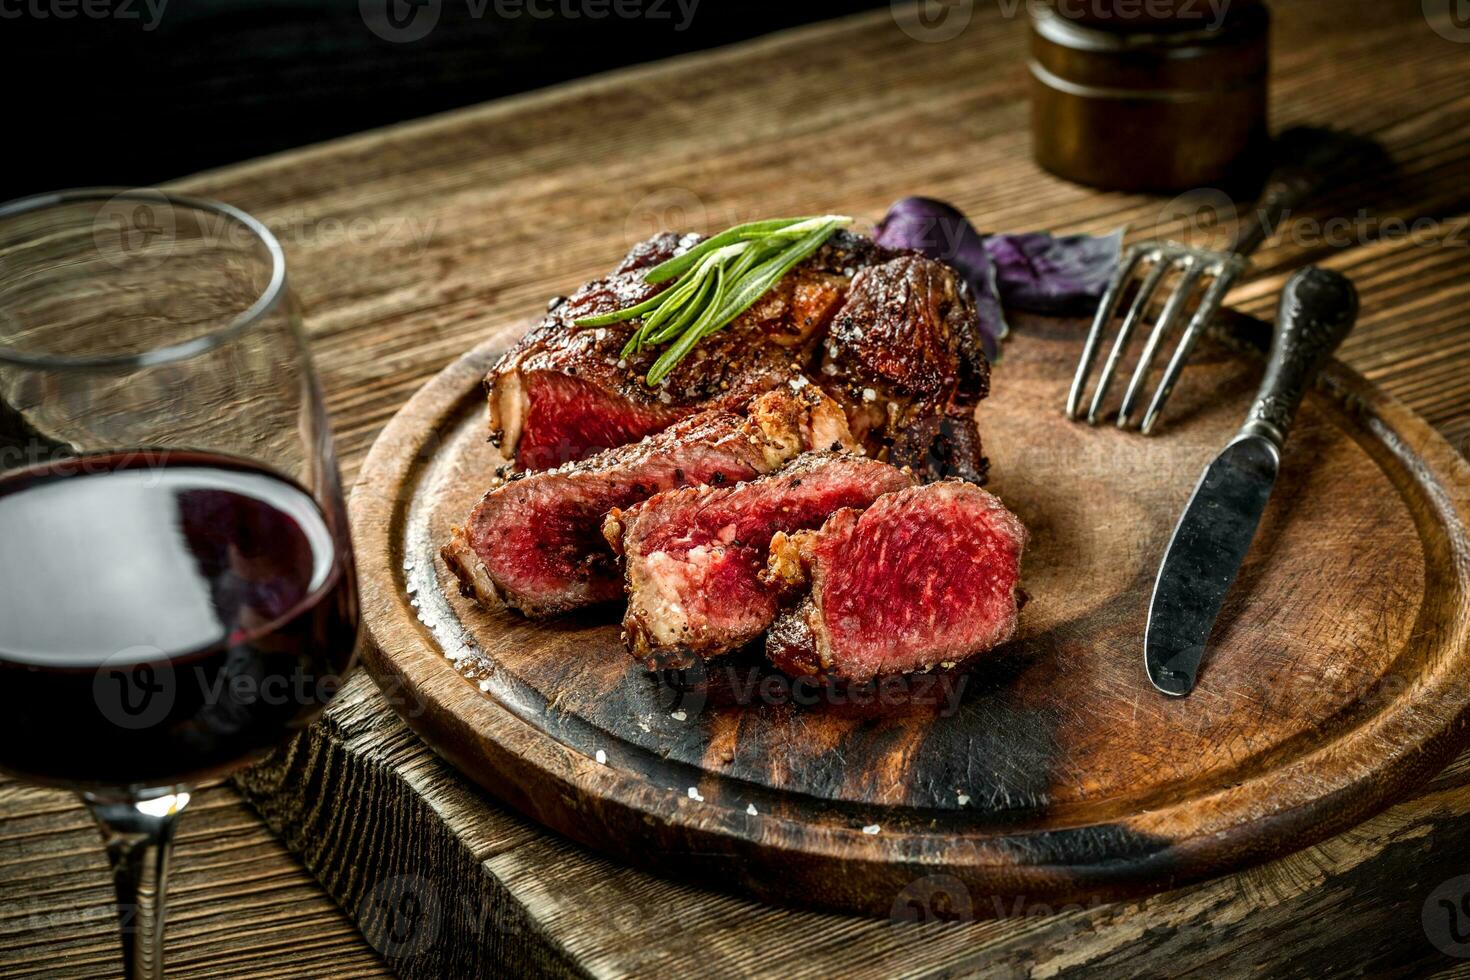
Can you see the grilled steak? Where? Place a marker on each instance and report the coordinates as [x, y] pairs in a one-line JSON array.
[[927, 576], [903, 355], [693, 557], [536, 543], [564, 392]]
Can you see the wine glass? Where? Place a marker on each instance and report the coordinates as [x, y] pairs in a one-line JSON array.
[[177, 594]]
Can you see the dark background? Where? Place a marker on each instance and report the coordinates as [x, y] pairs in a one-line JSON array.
[[103, 92]]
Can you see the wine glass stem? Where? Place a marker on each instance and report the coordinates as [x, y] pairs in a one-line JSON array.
[[139, 831]]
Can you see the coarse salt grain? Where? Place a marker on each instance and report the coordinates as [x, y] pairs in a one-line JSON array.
[[678, 715], [871, 829], [601, 757], [962, 799], [694, 794], [750, 809]]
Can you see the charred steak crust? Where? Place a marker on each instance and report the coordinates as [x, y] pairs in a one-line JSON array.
[[903, 355], [565, 391], [924, 577], [535, 543], [694, 557]]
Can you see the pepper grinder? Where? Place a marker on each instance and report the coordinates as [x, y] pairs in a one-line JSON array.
[[1159, 96]]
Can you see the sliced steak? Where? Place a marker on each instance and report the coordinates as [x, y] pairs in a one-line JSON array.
[[536, 543], [693, 558], [565, 392], [903, 356], [924, 577]]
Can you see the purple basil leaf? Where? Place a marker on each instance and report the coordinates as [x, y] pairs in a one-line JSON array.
[[941, 232], [1044, 274]]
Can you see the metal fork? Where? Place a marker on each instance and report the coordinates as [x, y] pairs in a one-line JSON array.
[[1309, 157]]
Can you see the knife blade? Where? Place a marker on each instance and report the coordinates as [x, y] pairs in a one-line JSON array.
[[1207, 549], [1214, 534]]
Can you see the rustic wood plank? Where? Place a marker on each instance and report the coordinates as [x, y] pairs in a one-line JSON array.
[[476, 217]]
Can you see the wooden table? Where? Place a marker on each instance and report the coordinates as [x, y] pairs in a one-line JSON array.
[[409, 245]]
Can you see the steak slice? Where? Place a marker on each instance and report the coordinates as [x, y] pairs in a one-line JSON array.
[[536, 544], [924, 577], [693, 557], [903, 356], [565, 392]]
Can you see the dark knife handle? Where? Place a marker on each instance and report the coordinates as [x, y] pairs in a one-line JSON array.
[[1318, 310]]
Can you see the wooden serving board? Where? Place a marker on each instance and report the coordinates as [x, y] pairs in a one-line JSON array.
[[1339, 674]]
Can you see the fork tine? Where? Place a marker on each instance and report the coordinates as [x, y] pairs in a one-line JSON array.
[[1193, 271], [1105, 310], [1208, 307], [1130, 323]]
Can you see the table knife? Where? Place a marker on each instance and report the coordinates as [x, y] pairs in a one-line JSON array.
[[1318, 309]]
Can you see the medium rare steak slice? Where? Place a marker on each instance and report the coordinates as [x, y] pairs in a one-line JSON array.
[[536, 543], [693, 558], [903, 355], [924, 577], [564, 392]]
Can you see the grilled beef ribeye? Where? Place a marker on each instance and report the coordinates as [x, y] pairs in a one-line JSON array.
[[903, 355], [924, 577], [892, 335], [564, 392], [536, 543], [693, 557]]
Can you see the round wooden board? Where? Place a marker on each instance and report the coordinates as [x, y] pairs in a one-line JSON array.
[[1052, 772]]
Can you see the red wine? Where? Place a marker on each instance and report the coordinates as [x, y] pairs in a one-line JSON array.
[[164, 616]]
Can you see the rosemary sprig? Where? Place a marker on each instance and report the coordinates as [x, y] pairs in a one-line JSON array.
[[717, 280]]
